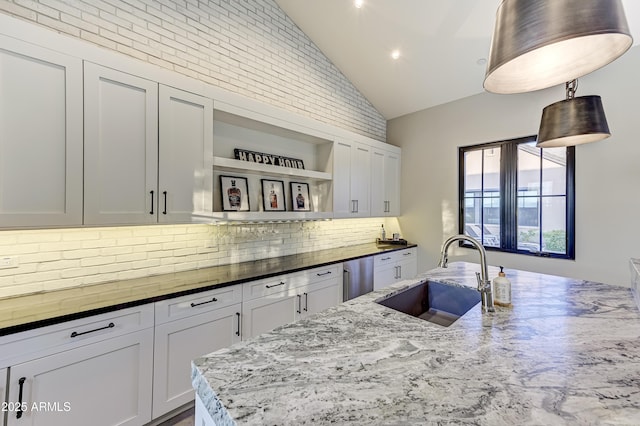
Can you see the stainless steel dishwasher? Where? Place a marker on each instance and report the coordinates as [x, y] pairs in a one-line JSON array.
[[357, 277]]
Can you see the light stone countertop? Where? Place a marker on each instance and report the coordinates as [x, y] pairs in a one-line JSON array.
[[566, 353]]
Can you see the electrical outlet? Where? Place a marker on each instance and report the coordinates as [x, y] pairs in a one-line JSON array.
[[8, 262]]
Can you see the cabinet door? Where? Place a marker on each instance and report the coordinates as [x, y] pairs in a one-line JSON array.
[[106, 383], [121, 147], [408, 265], [351, 179], [378, 184], [266, 313], [40, 136], [342, 202], [385, 183], [385, 276], [185, 156], [392, 184], [177, 343], [319, 297], [3, 391], [361, 180]]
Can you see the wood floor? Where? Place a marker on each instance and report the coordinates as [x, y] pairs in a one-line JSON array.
[[186, 418]]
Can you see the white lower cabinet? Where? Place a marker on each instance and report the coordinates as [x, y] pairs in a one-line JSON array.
[[96, 370], [394, 266], [266, 313], [273, 302], [206, 322], [133, 365], [318, 297], [3, 393], [108, 382]]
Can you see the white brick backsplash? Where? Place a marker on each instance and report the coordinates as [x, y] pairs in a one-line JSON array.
[[250, 47], [68, 256]]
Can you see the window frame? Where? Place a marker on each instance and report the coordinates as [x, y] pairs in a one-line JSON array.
[[509, 197]]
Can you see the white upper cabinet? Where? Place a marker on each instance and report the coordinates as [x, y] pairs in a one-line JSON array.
[[121, 148], [385, 183], [351, 179], [186, 156], [40, 136]]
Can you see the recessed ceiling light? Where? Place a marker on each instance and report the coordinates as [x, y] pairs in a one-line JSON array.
[[358, 3], [395, 54]]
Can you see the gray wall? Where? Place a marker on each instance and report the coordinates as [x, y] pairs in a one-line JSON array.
[[607, 172], [250, 47]]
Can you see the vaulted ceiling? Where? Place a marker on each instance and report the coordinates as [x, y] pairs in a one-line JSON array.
[[443, 46]]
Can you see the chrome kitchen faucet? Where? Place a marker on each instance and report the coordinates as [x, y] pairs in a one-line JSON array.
[[484, 283]]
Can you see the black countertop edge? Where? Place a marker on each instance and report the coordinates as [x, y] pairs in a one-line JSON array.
[[111, 308]]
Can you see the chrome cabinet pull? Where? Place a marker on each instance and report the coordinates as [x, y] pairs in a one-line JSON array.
[[299, 303], [386, 258], [76, 334], [238, 317], [306, 302], [275, 285], [324, 273], [151, 192], [213, 299]]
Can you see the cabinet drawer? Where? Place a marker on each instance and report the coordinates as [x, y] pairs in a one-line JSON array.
[[268, 286], [384, 259], [76, 333], [406, 255], [193, 304], [393, 257], [283, 283], [331, 272]]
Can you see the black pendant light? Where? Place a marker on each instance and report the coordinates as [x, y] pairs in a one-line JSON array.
[[573, 121], [541, 43]]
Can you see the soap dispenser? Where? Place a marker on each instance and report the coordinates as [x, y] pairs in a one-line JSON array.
[[502, 289], [383, 234]]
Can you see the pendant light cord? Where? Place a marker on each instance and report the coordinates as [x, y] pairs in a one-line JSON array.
[[571, 87]]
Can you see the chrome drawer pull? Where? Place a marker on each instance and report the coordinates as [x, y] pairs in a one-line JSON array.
[[275, 285], [324, 273], [213, 299], [76, 334], [386, 258]]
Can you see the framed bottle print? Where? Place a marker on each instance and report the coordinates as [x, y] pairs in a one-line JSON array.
[[235, 194], [273, 195], [300, 197]]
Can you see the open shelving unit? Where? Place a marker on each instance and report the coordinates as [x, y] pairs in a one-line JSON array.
[[259, 133]]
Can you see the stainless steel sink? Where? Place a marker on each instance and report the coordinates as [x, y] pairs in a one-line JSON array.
[[435, 302]]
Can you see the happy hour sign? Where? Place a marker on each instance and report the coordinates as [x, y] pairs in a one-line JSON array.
[[259, 157]]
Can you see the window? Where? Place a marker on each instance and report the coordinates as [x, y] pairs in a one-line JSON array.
[[517, 198]]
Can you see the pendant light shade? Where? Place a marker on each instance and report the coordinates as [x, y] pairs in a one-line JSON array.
[[541, 43], [573, 121]]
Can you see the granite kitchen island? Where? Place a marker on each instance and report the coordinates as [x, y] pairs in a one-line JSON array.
[[567, 352]]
